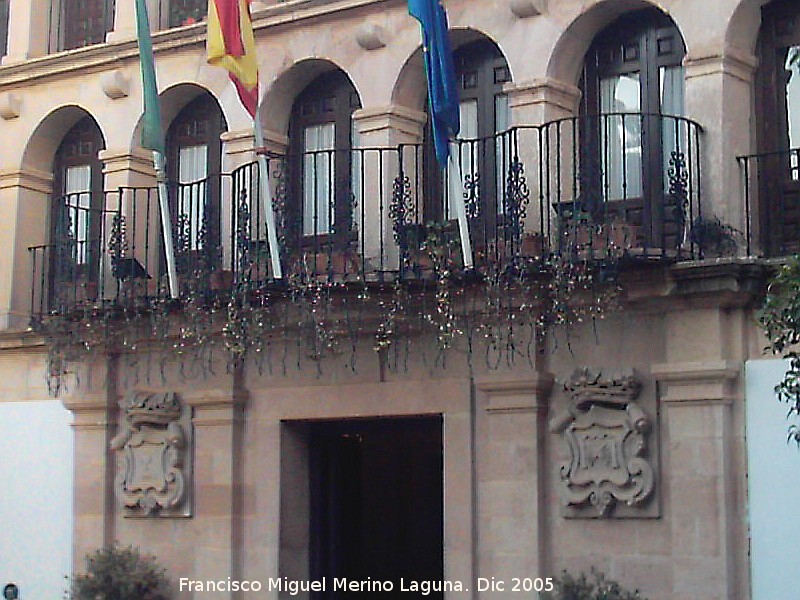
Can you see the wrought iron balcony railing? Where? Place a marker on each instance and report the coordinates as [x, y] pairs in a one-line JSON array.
[[771, 189], [582, 189]]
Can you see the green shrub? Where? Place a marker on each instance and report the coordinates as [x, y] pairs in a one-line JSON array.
[[120, 574], [596, 587]]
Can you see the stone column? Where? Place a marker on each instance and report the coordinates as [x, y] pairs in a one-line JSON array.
[[512, 477], [536, 102], [130, 186], [700, 479], [24, 200], [28, 31], [94, 424], [398, 131], [719, 85], [218, 422]]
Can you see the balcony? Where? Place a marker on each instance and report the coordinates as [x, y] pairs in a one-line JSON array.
[[771, 189], [580, 190]]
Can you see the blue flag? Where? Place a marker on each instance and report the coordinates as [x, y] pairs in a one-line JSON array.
[[441, 73]]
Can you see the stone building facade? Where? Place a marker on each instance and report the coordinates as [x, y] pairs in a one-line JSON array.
[[645, 147]]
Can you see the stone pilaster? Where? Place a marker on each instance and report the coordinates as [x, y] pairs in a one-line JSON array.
[[699, 440], [512, 476], [218, 422], [94, 425]]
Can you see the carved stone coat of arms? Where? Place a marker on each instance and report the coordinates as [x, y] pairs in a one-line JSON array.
[[153, 455], [606, 433]]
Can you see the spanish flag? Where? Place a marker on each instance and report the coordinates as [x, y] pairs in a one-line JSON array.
[[231, 45]]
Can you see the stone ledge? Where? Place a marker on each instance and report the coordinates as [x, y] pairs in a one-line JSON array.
[[733, 281]]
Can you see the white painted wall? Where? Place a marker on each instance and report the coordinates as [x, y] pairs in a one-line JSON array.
[[36, 476], [774, 486]]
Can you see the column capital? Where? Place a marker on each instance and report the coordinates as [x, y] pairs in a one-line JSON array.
[[27, 178], [524, 395], [137, 160], [90, 411], [394, 117], [543, 92], [216, 406], [707, 382], [238, 142], [274, 143], [709, 60]]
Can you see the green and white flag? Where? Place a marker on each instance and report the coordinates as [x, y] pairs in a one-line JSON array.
[[152, 135]]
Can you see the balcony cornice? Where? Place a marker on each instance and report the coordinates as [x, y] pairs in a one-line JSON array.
[[106, 55]]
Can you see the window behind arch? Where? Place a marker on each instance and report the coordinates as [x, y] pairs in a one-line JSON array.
[[184, 12], [76, 207], [482, 153], [630, 126], [778, 131], [3, 27], [194, 152], [322, 137], [82, 22]]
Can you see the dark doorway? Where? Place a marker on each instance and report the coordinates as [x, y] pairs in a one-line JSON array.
[[376, 503]]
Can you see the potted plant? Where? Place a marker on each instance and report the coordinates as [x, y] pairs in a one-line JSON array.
[[121, 573], [221, 280]]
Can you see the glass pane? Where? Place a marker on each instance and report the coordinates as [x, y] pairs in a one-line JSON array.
[[3, 26], [356, 168], [192, 171], [186, 12], [318, 178], [793, 106], [621, 136], [465, 152], [77, 186], [83, 23], [673, 131]]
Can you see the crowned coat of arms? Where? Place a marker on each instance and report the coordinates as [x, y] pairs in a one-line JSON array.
[[605, 430], [153, 455]]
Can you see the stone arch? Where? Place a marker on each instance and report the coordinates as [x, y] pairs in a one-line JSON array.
[[744, 25], [279, 97], [566, 60], [46, 137], [410, 88], [173, 100]]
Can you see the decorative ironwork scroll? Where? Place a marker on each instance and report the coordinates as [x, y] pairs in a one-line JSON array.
[[606, 432], [154, 455]]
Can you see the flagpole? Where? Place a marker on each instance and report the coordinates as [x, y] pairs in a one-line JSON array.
[[457, 193], [266, 198], [153, 135], [166, 222]]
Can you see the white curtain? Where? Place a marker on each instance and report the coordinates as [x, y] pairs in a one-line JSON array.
[[193, 169], [793, 106], [621, 137], [78, 186], [318, 179], [674, 133]]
